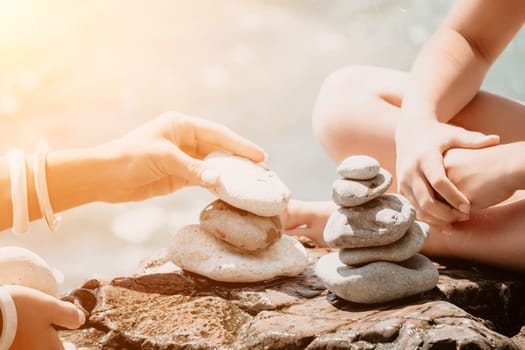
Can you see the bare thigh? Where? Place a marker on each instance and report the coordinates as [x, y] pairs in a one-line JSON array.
[[358, 109]]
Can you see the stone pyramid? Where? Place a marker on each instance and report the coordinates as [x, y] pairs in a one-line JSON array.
[[377, 236]]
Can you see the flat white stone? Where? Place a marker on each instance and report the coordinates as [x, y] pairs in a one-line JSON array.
[[377, 282], [378, 222], [402, 249], [240, 228], [247, 185], [351, 193], [195, 250], [358, 167], [22, 267]]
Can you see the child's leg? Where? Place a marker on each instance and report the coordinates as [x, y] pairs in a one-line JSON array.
[[494, 235], [356, 113], [358, 108]]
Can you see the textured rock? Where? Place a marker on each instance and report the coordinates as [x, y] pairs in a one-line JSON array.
[[200, 252], [240, 228], [379, 222], [473, 307], [377, 282], [359, 167], [247, 185], [350, 193], [402, 249], [23, 267]]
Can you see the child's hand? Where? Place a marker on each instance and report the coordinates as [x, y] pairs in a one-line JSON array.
[[166, 154], [483, 175], [37, 312], [420, 145], [307, 219]]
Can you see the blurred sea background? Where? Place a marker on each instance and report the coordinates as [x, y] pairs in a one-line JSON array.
[[78, 73]]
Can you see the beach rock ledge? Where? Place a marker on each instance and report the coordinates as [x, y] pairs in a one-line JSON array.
[[162, 307]]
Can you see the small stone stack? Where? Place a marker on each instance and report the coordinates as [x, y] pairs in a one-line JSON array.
[[377, 237], [239, 238]]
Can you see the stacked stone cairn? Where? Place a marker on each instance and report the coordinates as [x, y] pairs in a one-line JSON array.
[[377, 237], [239, 238]]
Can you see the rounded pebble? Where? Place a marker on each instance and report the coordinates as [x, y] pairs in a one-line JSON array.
[[402, 249], [195, 250], [247, 185], [358, 167], [351, 193], [378, 222], [240, 228], [22, 267], [377, 282]]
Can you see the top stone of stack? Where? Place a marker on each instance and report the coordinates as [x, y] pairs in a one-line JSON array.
[[363, 180], [248, 186], [359, 168]]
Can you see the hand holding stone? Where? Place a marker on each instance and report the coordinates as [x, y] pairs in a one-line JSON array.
[[36, 312], [33, 288], [166, 154]]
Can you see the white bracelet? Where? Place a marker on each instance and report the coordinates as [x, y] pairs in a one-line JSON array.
[[42, 194], [9, 319], [18, 178]]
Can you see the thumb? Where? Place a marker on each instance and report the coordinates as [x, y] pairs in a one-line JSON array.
[[193, 170], [473, 139], [67, 315]]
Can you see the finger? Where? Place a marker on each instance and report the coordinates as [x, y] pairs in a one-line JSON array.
[[472, 139], [421, 215], [428, 206], [65, 314], [294, 215], [51, 340], [433, 170], [216, 137], [314, 235], [193, 170]]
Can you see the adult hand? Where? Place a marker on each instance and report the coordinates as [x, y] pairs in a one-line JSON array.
[[166, 154], [420, 145], [483, 175], [37, 312], [307, 219]]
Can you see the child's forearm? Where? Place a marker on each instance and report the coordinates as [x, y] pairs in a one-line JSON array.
[[449, 71], [74, 177], [444, 78]]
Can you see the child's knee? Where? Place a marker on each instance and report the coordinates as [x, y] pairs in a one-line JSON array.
[[340, 97]]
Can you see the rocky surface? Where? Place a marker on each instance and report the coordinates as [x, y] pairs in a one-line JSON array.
[[472, 307]]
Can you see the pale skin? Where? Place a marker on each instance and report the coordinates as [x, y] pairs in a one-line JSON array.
[[158, 158], [455, 151]]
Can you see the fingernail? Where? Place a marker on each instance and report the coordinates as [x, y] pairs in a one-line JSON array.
[[464, 208], [210, 176], [81, 317]]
